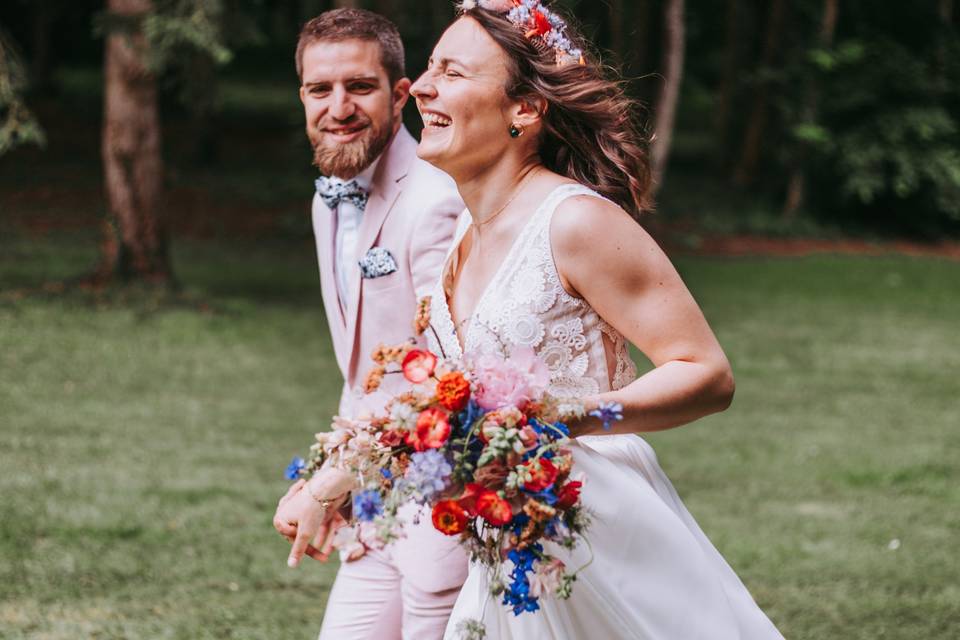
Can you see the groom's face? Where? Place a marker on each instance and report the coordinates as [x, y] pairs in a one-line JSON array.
[[352, 109]]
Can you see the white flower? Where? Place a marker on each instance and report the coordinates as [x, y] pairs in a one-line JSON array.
[[403, 416], [546, 577]]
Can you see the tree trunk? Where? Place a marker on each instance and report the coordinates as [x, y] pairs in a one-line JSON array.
[[134, 245], [728, 78], [796, 184], [666, 107], [750, 155]]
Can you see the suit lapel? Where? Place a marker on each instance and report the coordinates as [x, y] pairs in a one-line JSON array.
[[384, 191]]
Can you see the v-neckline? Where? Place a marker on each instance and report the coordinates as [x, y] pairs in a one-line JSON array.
[[468, 321]]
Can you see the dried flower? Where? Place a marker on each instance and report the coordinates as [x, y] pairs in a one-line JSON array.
[[374, 379], [422, 319]]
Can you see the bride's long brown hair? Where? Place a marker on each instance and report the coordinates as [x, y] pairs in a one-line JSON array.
[[591, 132]]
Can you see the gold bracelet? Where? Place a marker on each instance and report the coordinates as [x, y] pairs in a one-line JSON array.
[[324, 502]]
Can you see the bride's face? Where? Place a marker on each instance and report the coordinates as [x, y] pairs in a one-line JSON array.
[[462, 101]]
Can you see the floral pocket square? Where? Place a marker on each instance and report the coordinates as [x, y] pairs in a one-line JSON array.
[[377, 262]]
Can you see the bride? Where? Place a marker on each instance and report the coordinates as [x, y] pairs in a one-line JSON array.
[[547, 159]]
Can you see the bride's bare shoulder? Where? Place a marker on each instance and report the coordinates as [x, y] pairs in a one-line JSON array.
[[588, 223]]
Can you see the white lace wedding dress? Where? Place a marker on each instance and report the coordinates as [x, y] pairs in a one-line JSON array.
[[654, 574]]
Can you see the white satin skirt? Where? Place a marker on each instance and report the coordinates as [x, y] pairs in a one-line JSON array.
[[654, 574]]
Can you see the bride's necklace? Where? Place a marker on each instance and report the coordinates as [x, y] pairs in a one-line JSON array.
[[479, 223]]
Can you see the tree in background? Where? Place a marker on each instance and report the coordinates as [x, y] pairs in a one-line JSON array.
[[17, 124], [796, 184], [143, 38], [666, 107]]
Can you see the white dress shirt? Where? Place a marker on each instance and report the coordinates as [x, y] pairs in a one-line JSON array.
[[347, 218]]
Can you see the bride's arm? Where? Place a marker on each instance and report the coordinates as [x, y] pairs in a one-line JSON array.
[[605, 257]]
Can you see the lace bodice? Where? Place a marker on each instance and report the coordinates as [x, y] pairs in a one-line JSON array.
[[525, 304]]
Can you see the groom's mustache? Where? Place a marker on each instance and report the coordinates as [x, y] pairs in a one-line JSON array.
[[353, 123]]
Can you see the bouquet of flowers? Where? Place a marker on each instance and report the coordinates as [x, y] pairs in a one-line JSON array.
[[482, 445]]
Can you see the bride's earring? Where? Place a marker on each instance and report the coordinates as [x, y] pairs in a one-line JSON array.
[[516, 130]]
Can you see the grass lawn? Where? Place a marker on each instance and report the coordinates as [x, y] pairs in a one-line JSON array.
[[142, 443]]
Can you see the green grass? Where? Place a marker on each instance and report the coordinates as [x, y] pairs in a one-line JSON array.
[[143, 438]]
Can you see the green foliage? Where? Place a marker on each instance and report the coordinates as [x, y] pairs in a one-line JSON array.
[[17, 124], [893, 130], [901, 153], [179, 27]]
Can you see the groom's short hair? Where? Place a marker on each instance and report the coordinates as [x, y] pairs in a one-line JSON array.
[[355, 24]]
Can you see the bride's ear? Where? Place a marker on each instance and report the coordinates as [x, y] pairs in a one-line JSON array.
[[528, 111]]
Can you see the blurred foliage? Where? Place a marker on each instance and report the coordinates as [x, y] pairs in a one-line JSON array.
[[17, 124], [885, 140], [879, 147]]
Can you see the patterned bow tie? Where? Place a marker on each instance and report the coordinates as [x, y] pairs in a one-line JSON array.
[[334, 190]]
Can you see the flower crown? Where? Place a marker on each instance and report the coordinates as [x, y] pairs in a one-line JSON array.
[[544, 28]]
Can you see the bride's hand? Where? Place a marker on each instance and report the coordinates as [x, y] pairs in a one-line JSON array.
[[302, 516]]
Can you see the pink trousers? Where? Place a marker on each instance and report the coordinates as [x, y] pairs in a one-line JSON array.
[[403, 592]]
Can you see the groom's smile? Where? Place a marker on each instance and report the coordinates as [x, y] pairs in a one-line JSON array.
[[352, 110]]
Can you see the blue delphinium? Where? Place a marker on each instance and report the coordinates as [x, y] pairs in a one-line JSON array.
[[517, 594], [367, 505], [468, 416], [427, 473], [294, 468], [608, 412]]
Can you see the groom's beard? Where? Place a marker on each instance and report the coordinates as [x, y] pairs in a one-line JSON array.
[[347, 160]]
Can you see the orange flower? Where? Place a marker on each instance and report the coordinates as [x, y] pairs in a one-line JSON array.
[[453, 391], [432, 430], [449, 518], [494, 509], [418, 365]]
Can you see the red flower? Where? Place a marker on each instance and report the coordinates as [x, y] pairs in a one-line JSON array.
[[568, 494], [418, 365], [541, 26], [449, 517], [453, 391], [468, 501], [542, 474], [493, 508], [432, 430]]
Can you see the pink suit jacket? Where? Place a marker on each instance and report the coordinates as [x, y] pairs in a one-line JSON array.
[[412, 212]]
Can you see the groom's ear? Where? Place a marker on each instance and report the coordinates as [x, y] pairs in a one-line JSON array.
[[401, 92]]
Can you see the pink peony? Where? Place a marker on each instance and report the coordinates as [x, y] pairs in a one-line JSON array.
[[510, 382]]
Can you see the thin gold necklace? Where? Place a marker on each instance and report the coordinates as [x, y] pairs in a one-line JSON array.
[[506, 204]]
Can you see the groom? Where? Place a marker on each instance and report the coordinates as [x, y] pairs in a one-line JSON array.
[[383, 221]]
